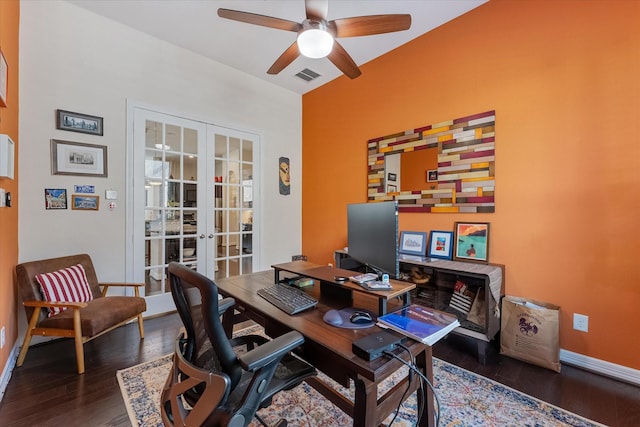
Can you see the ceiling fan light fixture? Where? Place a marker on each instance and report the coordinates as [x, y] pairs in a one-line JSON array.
[[315, 42]]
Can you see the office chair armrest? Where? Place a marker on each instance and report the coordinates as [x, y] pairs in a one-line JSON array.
[[224, 304], [270, 351]]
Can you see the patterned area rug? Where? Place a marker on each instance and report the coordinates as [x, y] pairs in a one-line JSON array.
[[466, 399]]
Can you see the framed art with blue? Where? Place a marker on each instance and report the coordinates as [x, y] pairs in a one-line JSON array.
[[413, 242], [472, 242], [440, 244]]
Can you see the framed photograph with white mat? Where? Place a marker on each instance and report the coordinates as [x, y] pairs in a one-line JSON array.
[[440, 244], [413, 242], [76, 158]]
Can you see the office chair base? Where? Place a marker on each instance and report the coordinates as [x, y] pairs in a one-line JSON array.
[[281, 423]]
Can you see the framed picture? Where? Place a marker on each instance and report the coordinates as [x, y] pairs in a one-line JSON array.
[[391, 176], [55, 198], [440, 244], [87, 189], [472, 241], [75, 158], [413, 242], [4, 73], [85, 203], [432, 175], [77, 122], [392, 188]]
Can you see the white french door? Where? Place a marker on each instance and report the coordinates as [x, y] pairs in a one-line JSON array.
[[233, 212], [192, 196]]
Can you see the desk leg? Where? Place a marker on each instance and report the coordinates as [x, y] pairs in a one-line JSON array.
[[428, 417], [366, 396]]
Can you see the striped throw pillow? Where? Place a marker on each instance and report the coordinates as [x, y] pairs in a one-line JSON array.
[[67, 285]]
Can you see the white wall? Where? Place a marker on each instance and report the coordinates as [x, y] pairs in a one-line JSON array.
[[72, 59]]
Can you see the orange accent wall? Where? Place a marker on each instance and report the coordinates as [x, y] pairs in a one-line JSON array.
[[9, 24], [563, 79]]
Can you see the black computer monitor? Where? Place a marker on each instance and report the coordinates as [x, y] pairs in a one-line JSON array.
[[373, 236]]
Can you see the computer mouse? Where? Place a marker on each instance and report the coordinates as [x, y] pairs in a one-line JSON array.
[[333, 317], [360, 317]]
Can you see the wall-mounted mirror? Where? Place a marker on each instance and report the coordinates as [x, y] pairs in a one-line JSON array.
[[444, 167]]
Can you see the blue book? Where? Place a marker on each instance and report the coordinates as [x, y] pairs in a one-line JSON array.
[[420, 323]]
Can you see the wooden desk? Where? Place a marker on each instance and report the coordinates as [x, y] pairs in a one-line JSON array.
[[328, 348]]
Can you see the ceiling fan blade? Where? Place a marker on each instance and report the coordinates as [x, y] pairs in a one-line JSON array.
[[369, 25], [262, 20], [343, 61], [287, 57], [316, 9]]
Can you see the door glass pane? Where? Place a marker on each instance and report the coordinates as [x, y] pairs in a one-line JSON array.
[[170, 200], [247, 150], [233, 212]]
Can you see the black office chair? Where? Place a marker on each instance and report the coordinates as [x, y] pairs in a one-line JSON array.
[[217, 381]]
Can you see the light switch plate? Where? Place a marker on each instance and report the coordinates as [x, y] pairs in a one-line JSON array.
[[110, 194]]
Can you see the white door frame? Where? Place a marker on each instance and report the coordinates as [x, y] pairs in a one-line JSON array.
[[134, 258]]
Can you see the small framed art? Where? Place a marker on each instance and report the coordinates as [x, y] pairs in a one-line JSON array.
[[85, 203], [77, 122], [432, 175], [440, 244], [76, 158], [55, 198], [413, 242], [4, 79], [472, 242]]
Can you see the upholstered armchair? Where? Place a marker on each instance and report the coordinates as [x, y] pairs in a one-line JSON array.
[[63, 298]]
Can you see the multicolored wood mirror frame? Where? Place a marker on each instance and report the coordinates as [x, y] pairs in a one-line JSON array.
[[465, 179]]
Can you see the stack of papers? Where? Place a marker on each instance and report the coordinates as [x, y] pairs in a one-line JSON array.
[[420, 323], [362, 278]]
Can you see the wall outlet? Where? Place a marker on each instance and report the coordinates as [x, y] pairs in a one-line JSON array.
[[580, 322], [2, 337]]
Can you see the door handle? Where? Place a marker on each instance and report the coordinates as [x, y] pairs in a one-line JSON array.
[[211, 236], [201, 236]]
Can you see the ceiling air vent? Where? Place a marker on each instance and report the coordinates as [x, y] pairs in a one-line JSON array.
[[307, 75]]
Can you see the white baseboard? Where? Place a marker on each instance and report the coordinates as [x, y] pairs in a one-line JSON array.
[[602, 367], [8, 369]]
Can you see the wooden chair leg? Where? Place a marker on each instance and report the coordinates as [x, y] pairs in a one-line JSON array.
[[27, 336], [140, 326], [25, 347], [77, 332]]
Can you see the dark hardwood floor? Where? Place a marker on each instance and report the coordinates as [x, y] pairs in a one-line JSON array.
[[47, 391]]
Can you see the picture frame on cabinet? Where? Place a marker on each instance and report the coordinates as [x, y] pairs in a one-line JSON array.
[[472, 242], [440, 244], [413, 242]]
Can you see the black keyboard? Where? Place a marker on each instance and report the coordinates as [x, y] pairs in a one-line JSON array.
[[287, 299]]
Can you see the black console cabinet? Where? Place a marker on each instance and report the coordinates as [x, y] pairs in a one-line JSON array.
[[436, 282]]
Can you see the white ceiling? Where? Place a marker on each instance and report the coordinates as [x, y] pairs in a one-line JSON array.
[[194, 25]]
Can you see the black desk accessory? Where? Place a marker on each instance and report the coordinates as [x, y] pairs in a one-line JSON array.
[[372, 346]]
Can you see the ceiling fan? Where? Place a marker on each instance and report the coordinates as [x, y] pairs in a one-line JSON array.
[[316, 35]]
